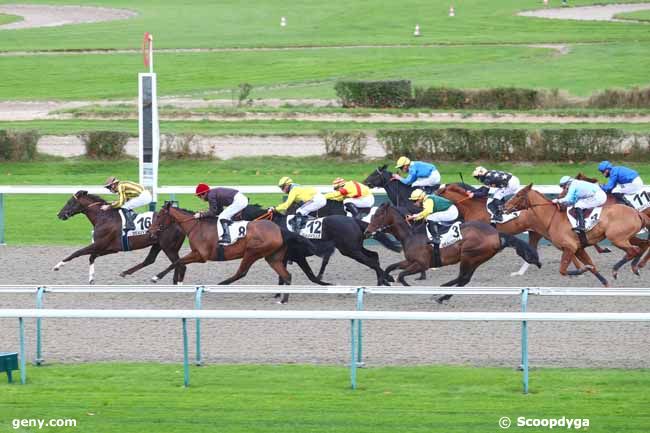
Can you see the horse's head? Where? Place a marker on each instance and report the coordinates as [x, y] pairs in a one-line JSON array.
[[161, 221], [384, 217], [378, 178], [78, 203], [520, 200]]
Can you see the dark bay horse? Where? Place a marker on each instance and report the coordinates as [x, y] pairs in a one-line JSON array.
[[339, 230], [618, 223], [108, 232], [480, 242], [263, 239]]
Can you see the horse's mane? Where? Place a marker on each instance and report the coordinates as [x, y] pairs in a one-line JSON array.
[[96, 198]]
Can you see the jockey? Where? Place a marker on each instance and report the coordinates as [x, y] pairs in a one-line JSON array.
[[218, 199], [435, 209], [622, 180], [582, 195], [353, 194], [311, 200], [131, 195], [420, 174], [505, 183]]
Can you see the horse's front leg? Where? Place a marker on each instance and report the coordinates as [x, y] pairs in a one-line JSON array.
[[192, 257], [90, 249], [151, 257]]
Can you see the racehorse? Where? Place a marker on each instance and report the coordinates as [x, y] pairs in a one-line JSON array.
[[479, 243], [475, 209], [342, 231], [618, 224], [263, 239], [107, 236]]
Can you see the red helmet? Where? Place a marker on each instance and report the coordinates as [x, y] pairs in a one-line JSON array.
[[202, 188]]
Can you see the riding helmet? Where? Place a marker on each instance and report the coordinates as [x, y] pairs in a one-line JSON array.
[[201, 188], [402, 161]]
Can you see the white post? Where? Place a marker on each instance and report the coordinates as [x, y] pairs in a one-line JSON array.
[[150, 36]]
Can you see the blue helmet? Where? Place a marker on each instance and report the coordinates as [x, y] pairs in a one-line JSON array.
[[565, 180], [604, 165]]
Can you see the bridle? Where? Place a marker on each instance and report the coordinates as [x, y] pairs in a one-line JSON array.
[[528, 205]]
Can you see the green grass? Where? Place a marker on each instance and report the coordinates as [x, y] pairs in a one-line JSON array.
[[38, 212], [7, 19], [638, 16], [200, 74], [280, 127], [139, 397]]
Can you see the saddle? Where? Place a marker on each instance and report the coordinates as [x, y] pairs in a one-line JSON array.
[[311, 229], [142, 222], [592, 217], [449, 233]]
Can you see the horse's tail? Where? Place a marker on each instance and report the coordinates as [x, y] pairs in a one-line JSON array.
[[523, 249], [645, 220]]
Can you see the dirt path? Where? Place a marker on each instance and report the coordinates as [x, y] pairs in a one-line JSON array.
[[588, 13], [619, 345], [51, 16]]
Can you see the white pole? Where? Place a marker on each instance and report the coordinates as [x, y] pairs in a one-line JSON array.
[[150, 53]]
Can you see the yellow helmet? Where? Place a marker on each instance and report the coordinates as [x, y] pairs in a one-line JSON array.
[[285, 180], [338, 182], [417, 194], [479, 171], [402, 161]]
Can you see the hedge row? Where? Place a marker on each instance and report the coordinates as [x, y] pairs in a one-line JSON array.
[[18, 145], [515, 144], [399, 94]]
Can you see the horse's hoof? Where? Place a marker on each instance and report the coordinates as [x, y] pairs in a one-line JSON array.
[[615, 275], [421, 278], [440, 300], [154, 279], [123, 274], [91, 282], [58, 266], [516, 274]]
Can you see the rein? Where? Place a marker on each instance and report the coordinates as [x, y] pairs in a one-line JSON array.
[[265, 216], [533, 206]]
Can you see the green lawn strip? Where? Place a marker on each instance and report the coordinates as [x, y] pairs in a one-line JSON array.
[[31, 218], [201, 23], [637, 16], [114, 76], [282, 127], [7, 19], [290, 109], [136, 397]]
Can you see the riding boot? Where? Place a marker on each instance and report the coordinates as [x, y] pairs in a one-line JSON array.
[[580, 217], [497, 210], [352, 208], [433, 229], [129, 219], [297, 223], [225, 236], [620, 197]]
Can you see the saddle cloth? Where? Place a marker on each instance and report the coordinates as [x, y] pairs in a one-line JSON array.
[[142, 223], [237, 230], [640, 200], [505, 217], [313, 228], [365, 213], [450, 237], [592, 217]]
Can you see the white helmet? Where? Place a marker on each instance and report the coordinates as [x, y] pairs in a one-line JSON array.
[[479, 171]]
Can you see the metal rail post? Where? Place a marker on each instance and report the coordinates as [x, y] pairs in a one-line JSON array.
[[360, 292], [23, 368], [39, 304], [353, 354], [186, 364], [197, 305], [524, 339]]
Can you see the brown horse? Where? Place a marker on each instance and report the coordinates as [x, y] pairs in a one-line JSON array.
[[475, 209], [479, 243], [611, 200], [263, 239], [107, 236], [618, 224]]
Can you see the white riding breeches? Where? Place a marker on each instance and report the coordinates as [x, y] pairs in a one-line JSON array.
[[239, 202], [367, 201], [433, 179], [445, 216], [593, 201], [511, 188], [317, 202], [142, 200], [629, 188]]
